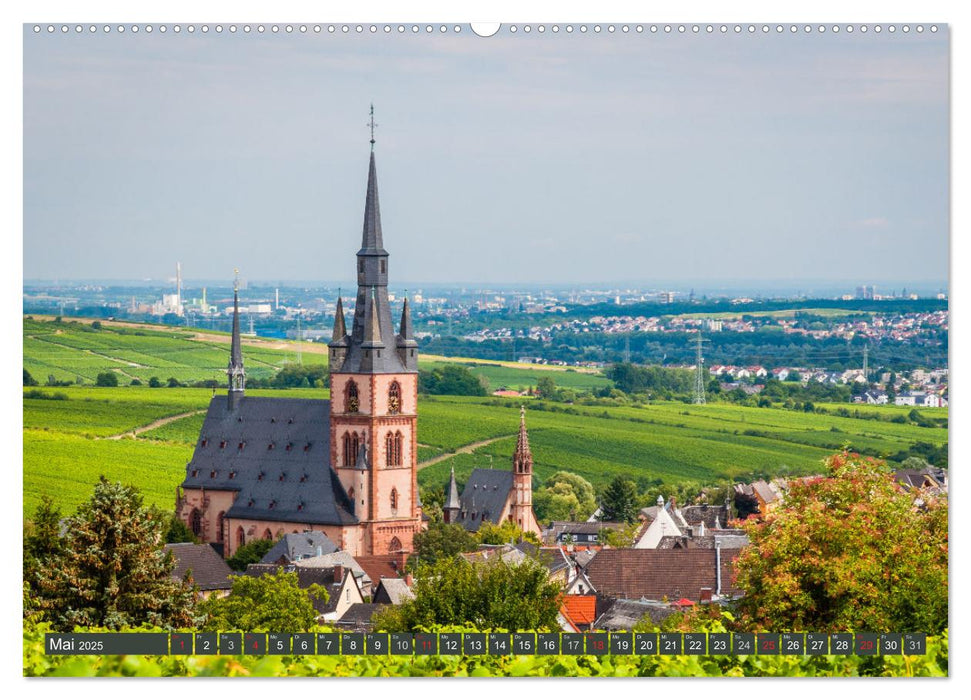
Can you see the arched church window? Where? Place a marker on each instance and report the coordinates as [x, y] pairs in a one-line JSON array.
[[350, 397], [240, 537], [267, 535], [393, 448], [352, 444], [394, 399], [219, 526], [350, 494], [394, 499], [394, 545], [195, 522]]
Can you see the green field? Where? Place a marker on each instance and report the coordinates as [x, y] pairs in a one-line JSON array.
[[67, 443], [75, 352]]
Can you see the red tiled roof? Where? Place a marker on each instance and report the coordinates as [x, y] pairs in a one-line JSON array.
[[378, 566], [580, 609]]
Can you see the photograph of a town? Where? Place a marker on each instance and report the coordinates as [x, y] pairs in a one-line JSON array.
[[643, 337]]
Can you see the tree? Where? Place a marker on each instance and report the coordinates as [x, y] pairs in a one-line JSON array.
[[249, 553], [273, 602], [618, 503], [175, 530], [503, 533], [154, 382], [28, 379], [546, 387], [452, 380], [490, 595], [173, 383], [42, 541], [106, 379], [113, 570], [850, 551], [564, 496], [441, 541]]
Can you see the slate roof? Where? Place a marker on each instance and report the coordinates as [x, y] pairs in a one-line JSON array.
[[296, 546], [484, 497], [707, 514], [357, 618], [393, 591], [660, 573], [495, 552], [275, 452], [209, 571], [553, 558], [583, 557], [624, 614], [339, 558], [726, 539]]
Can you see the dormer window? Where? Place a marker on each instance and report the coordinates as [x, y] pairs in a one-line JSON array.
[[195, 472], [270, 446], [306, 448], [222, 444], [300, 506], [283, 476], [239, 419], [251, 502], [273, 420], [205, 441], [272, 504], [232, 475], [289, 446], [259, 477], [212, 474], [289, 421], [242, 444], [303, 478]]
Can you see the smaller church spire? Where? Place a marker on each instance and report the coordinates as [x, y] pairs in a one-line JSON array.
[[405, 329], [453, 493], [372, 331], [235, 371], [362, 456], [522, 458], [340, 330]]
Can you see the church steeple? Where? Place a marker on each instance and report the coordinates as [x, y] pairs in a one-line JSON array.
[[235, 372], [450, 511], [522, 459], [372, 322]]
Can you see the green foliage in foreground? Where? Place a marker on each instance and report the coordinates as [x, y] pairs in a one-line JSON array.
[[270, 603], [36, 663]]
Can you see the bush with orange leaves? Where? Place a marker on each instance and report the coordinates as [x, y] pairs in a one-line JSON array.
[[853, 550]]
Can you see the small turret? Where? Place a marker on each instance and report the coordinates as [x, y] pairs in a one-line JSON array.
[[407, 347], [372, 345], [450, 511], [339, 340]]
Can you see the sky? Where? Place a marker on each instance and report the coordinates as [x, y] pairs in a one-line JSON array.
[[642, 159]]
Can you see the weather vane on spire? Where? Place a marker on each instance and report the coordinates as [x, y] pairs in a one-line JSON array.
[[372, 124]]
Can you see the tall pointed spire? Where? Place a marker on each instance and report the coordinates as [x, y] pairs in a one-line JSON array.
[[372, 241], [405, 328], [522, 458], [407, 347], [235, 371]]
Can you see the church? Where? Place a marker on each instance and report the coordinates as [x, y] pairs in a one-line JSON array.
[[264, 467], [495, 495]]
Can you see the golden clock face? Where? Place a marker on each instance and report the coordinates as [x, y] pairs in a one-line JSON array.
[[394, 404], [352, 405]]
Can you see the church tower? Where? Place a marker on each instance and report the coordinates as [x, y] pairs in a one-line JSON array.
[[374, 399], [521, 508], [235, 372]]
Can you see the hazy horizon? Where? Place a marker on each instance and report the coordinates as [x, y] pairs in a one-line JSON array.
[[599, 160]]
